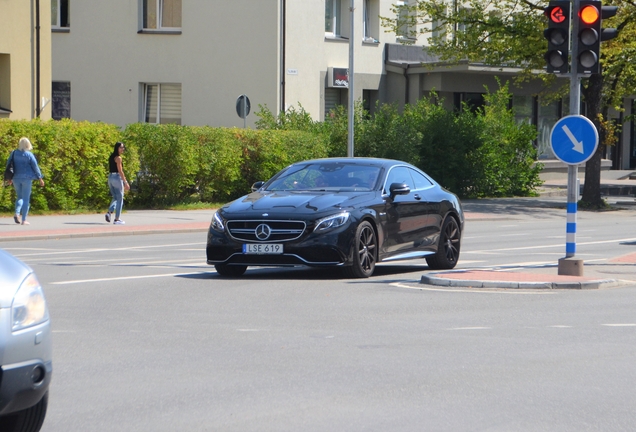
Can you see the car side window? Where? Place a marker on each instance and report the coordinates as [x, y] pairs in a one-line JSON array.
[[398, 175], [420, 181]]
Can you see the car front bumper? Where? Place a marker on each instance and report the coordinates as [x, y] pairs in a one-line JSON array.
[[325, 249], [22, 385], [25, 364]]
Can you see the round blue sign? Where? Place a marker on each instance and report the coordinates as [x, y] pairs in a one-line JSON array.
[[574, 139]]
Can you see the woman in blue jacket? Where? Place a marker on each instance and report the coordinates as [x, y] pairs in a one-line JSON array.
[[25, 170]]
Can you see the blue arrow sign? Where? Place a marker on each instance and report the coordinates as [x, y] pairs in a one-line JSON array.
[[574, 139]]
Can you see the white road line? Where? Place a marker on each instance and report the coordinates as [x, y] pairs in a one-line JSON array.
[[92, 250], [71, 282], [554, 245], [560, 326], [620, 325]]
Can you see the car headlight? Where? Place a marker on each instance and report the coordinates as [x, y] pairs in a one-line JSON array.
[[217, 223], [330, 222], [29, 305]]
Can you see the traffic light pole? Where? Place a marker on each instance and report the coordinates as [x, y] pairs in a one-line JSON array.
[[570, 265]]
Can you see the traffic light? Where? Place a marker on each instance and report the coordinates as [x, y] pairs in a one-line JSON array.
[[558, 36], [589, 37], [608, 12]]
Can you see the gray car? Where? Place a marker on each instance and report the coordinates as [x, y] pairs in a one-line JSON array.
[[25, 347]]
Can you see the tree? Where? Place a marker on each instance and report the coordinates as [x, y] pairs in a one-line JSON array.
[[510, 33]]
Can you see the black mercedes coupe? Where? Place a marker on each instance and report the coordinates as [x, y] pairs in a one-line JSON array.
[[338, 212]]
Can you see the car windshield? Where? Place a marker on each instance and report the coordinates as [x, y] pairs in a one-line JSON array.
[[326, 176]]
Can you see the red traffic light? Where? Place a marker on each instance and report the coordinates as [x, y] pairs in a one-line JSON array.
[[589, 14], [557, 15]]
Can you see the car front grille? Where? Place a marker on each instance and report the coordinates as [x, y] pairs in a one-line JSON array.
[[266, 231]]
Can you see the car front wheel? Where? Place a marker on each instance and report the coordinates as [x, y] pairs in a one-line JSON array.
[[365, 247], [448, 247], [230, 270], [28, 420]]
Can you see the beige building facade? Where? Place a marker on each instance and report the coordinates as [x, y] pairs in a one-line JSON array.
[[187, 62], [25, 59]]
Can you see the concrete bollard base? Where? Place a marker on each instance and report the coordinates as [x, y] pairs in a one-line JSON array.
[[571, 267]]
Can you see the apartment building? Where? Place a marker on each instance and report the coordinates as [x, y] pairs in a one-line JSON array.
[[25, 59], [187, 62]]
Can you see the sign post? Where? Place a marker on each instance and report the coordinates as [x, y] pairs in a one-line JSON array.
[[574, 139]]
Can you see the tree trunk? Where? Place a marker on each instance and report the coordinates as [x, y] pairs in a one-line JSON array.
[[592, 188]]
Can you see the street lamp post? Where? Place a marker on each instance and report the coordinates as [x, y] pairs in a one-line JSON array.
[[350, 85]]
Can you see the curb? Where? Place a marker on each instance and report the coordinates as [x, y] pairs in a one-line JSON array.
[[468, 283]]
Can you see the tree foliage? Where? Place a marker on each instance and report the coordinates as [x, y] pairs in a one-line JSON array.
[[510, 33]]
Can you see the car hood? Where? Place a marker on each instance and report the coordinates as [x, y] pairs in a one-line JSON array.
[[12, 274], [296, 202]]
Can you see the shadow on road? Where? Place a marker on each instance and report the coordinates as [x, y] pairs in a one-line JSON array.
[[308, 273]]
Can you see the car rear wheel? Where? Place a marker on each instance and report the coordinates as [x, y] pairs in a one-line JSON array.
[[365, 247], [28, 420], [448, 247], [230, 270]]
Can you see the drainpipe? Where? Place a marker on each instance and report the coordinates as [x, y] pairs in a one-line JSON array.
[[37, 59], [406, 85]]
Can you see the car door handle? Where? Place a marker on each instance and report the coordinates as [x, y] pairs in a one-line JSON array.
[[417, 197]]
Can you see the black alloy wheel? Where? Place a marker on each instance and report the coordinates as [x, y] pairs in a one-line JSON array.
[[230, 270], [448, 247], [365, 249]]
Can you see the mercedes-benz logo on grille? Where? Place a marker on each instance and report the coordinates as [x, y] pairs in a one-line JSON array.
[[263, 232]]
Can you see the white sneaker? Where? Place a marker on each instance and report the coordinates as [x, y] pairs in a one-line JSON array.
[[119, 222]]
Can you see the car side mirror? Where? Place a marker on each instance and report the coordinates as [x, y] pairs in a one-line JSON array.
[[256, 186], [398, 189]]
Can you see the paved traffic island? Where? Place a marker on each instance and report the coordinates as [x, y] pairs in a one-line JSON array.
[[508, 279]]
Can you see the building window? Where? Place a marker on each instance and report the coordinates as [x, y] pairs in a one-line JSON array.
[[60, 14], [406, 21], [162, 103], [332, 17], [371, 21], [61, 100], [161, 14], [5, 85]]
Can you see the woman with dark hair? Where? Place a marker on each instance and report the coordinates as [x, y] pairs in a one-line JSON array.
[[26, 170], [117, 183]]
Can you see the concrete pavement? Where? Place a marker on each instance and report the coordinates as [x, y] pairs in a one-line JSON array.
[[621, 271]]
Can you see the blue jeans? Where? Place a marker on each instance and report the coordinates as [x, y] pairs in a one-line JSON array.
[[116, 186], [23, 191]]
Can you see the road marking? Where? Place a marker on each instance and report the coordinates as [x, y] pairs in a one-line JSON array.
[[620, 325], [560, 326], [92, 250], [553, 245], [71, 282]]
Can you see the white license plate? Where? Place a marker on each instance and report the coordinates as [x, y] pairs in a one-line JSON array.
[[263, 248]]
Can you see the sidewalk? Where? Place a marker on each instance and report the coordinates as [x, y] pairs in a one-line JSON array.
[[620, 271], [94, 225]]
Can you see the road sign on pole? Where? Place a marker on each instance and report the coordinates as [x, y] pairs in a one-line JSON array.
[[574, 139], [243, 107]]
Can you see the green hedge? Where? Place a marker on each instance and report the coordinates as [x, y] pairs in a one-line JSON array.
[[166, 164], [478, 154], [206, 164], [73, 157]]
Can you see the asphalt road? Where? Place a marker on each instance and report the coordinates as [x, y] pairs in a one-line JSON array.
[[148, 338]]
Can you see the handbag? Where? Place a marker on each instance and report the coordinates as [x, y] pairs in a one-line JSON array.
[[9, 170]]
